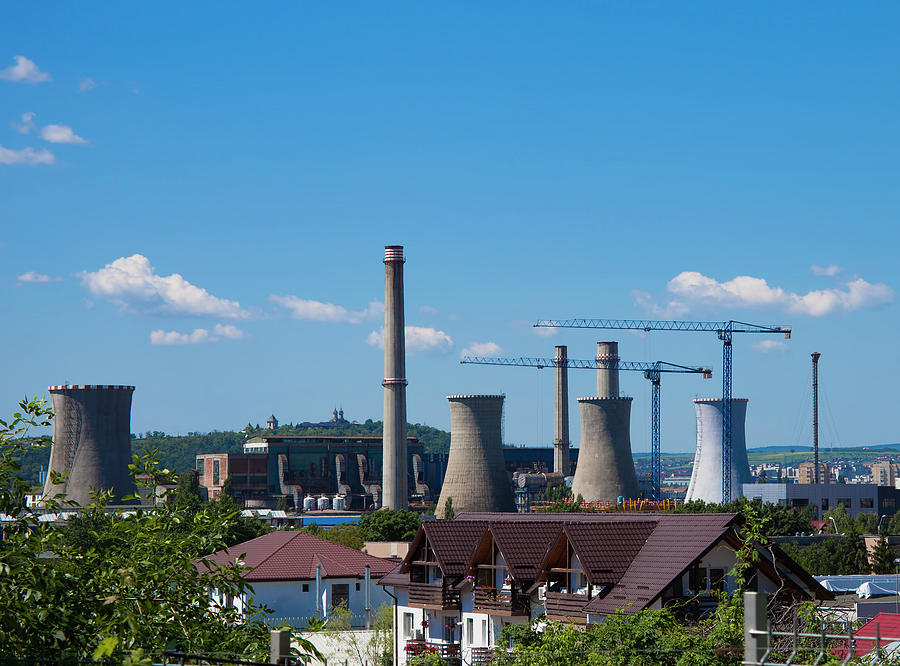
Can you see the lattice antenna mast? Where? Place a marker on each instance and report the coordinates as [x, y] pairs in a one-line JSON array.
[[725, 330]]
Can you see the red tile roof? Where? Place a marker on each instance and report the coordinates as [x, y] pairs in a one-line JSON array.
[[284, 555], [524, 550], [607, 550], [453, 543], [885, 626]]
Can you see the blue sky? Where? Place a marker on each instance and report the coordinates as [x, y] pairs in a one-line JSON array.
[[195, 198]]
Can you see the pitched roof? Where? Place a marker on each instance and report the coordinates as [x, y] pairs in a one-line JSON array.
[[524, 550], [285, 555], [395, 577], [607, 550], [453, 543], [677, 541], [885, 626]]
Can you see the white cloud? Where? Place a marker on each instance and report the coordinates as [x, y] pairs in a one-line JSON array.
[[418, 339], [309, 310], [695, 289], [28, 156], [86, 84], [545, 331], [197, 336], [27, 123], [132, 284], [671, 310], [34, 278], [427, 309], [481, 349], [830, 270], [60, 134], [24, 71], [769, 345]]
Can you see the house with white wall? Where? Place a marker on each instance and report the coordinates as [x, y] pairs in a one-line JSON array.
[[300, 576], [464, 580]]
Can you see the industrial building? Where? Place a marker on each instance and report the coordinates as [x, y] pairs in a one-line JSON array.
[[856, 498], [302, 466], [91, 442]]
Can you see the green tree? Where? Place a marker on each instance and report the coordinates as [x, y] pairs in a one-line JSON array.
[[449, 513], [882, 557], [345, 535], [187, 495], [390, 525], [117, 585]]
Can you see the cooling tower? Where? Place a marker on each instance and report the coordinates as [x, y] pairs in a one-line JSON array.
[[561, 414], [476, 477], [394, 472], [91, 441], [605, 468], [706, 477]]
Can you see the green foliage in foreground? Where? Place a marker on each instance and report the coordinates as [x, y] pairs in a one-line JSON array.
[[650, 637], [115, 585]]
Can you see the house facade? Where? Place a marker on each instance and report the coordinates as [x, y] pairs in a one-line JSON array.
[[464, 580], [300, 576]]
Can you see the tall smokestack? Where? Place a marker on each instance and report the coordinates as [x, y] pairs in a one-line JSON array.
[[815, 362], [394, 452], [607, 370], [561, 414]]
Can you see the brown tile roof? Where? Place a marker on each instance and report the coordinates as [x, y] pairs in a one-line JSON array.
[[453, 543], [395, 577], [524, 550], [285, 555], [606, 550], [677, 541]]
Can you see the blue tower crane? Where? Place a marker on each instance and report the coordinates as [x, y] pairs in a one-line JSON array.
[[652, 371], [723, 329]]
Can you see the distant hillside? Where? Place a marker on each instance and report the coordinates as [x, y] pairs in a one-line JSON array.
[[178, 452]]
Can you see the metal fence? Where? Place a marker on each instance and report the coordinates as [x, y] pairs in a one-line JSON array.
[[763, 646], [356, 621]]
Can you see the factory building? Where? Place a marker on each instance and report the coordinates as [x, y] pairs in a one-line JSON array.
[[856, 498], [303, 466], [91, 441]]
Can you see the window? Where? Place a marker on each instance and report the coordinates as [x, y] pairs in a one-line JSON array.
[[824, 504], [717, 580], [888, 504], [799, 502], [698, 582], [340, 594], [484, 634], [216, 471], [866, 503], [470, 630], [357, 587], [844, 502], [407, 625], [201, 464], [485, 577], [305, 587]]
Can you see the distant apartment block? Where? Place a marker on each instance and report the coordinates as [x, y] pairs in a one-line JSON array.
[[806, 473]]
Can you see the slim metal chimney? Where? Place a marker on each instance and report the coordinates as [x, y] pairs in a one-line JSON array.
[[394, 483], [608, 372], [561, 413], [815, 362]]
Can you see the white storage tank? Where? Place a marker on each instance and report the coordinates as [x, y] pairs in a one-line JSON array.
[[338, 503], [309, 503], [324, 503]]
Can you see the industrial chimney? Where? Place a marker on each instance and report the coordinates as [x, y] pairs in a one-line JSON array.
[[605, 468], [561, 414], [394, 480], [91, 441], [706, 477], [476, 474]]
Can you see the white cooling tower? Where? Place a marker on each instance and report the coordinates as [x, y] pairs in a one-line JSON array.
[[706, 478]]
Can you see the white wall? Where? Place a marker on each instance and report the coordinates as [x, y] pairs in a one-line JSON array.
[[288, 598]]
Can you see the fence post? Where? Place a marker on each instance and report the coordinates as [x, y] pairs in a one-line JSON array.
[[279, 646], [755, 620]]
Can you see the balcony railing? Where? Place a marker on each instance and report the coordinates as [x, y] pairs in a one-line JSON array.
[[433, 595], [564, 606], [481, 655], [449, 652], [501, 602]]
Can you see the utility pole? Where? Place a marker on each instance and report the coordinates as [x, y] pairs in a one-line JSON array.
[[815, 362]]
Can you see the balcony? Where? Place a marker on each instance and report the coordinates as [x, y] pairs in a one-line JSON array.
[[481, 655], [435, 596], [448, 652], [564, 606], [501, 602]]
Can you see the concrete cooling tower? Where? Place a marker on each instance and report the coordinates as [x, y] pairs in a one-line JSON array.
[[476, 474], [605, 468], [91, 441], [706, 477]]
